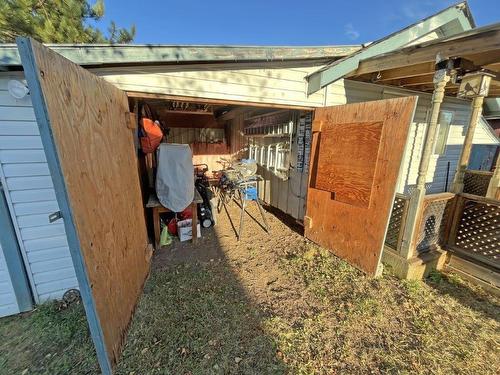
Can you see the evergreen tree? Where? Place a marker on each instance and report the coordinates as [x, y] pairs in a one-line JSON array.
[[58, 21]]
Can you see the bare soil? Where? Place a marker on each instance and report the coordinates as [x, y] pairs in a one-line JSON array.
[[276, 303]]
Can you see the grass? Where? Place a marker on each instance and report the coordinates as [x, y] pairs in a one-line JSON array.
[[49, 340], [198, 319]]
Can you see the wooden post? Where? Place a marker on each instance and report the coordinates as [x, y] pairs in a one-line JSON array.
[[441, 78], [494, 185], [476, 110], [474, 85]]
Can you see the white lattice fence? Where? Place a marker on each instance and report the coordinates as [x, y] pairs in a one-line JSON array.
[[432, 222]]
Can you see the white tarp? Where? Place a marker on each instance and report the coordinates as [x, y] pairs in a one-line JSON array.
[[175, 176]]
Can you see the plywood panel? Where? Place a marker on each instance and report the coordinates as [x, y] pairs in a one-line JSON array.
[[346, 161], [353, 232], [90, 151]]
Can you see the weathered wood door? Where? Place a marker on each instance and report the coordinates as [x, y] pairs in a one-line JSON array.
[[356, 156], [84, 125]]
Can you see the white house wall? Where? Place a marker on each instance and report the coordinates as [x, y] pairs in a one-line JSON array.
[[31, 198], [285, 86]]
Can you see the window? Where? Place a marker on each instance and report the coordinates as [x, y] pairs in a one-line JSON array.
[[263, 156], [444, 122]]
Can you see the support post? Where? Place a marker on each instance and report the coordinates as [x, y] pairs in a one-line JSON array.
[[494, 185], [441, 78], [476, 88], [476, 110]]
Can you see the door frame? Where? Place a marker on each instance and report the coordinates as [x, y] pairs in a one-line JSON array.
[[13, 259]]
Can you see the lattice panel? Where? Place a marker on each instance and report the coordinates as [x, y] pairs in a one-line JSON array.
[[476, 182], [395, 222], [479, 232], [432, 228]]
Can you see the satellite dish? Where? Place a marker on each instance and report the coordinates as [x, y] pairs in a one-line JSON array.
[[17, 89]]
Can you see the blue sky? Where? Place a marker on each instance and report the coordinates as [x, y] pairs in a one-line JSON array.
[[271, 22]]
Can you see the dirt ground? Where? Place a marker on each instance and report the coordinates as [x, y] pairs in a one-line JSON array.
[[271, 304], [254, 261], [276, 303]]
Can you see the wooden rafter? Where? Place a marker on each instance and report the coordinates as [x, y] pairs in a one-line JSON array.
[[403, 72]]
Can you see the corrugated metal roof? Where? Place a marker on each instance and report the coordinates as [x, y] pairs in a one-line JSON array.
[[119, 54]]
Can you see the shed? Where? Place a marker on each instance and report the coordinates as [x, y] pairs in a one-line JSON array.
[[241, 88]]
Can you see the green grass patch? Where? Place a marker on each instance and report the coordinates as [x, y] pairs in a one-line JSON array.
[[48, 340]]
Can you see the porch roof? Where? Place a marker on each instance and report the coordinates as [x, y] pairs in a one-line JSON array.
[[413, 67]]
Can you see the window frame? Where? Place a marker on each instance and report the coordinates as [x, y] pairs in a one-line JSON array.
[[443, 146]]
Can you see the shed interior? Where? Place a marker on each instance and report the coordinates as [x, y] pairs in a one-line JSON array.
[[224, 130]]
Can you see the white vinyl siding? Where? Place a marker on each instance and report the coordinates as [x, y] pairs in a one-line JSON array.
[[285, 86], [8, 301], [31, 198]]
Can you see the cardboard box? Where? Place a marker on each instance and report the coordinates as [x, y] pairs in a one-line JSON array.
[[184, 229]]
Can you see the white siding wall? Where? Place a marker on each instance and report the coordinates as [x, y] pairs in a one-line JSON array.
[[278, 86], [31, 198], [8, 301]]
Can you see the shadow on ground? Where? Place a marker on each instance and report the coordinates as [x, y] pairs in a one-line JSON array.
[[195, 316], [467, 295]]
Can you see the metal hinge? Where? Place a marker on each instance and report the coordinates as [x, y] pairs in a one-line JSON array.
[[55, 216]]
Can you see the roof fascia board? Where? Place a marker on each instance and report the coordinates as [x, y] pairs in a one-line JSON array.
[[340, 68], [99, 55]]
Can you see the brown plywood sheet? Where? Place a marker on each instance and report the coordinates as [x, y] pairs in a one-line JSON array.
[[356, 232], [88, 120], [347, 156]]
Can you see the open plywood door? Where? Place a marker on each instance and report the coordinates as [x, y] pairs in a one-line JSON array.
[[84, 125], [356, 156]]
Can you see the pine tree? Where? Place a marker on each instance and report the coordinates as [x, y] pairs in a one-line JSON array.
[[58, 21]]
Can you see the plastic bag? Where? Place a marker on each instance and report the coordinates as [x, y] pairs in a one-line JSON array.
[[165, 237]]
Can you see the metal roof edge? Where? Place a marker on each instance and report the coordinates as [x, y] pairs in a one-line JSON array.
[[101, 55]]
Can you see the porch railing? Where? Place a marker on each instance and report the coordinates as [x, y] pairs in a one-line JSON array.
[[474, 231], [476, 182], [397, 221], [432, 222]]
